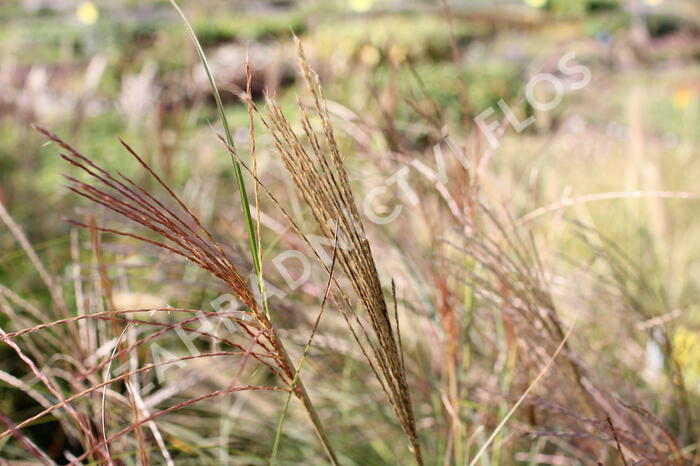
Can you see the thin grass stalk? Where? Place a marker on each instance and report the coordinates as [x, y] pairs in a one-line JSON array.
[[108, 297], [103, 403], [28, 445], [252, 242], [317, 169], [617, 442], [278, 434], [129, 428], [517, 404], [66, 402], [191, 240]]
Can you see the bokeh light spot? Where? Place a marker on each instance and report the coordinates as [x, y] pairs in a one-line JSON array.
[[87, 13]]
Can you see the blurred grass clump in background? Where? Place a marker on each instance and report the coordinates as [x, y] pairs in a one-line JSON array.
[[217, 30]]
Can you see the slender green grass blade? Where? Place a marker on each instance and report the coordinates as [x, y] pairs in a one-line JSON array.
[[278, 434], [252, 242]]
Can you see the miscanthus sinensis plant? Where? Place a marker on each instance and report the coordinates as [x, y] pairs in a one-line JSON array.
[[471, 356]]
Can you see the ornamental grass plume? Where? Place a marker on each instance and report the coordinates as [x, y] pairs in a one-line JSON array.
[[182, 233], [316, 166]]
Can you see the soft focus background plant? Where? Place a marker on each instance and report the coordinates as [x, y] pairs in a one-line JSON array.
[[588, 219]]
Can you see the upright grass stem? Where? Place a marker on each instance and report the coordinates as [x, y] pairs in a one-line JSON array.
[[278, 435], [297, 385], [253, 244]]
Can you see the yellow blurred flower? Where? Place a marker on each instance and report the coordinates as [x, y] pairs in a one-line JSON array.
[[398, 53], [682, 97], [536, 3], [686, 351], [360, 5], [87, 13], [653, 2], [369, 55]]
